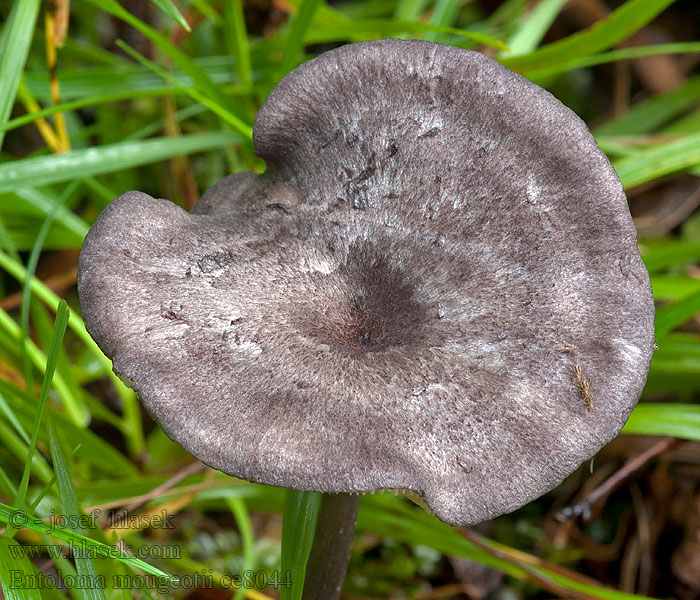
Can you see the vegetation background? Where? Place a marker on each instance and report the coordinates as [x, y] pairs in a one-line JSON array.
[[101, 97]]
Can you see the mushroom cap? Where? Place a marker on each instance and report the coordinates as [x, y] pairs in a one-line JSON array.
[[435, 286]]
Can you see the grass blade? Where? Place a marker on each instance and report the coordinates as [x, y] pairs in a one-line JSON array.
[[297, 31], [616, 55], [673, 287], [85, 162], [39, 202], [679, 126], [17, 270], [385, 515], [245, 528], [676, 364], [131, 427], [679, 420], [409, 10], [12, 420], [534, 27], [71, 404], [370, 29], [87, 102], [170, 10], [62, 317], [651, 113], [69, 508], [201, 80], [15, 40], [32, 263], [298, 528], [16, 566], [94, 450], [444, 15], [15, 446], [6, 242], [133, 81], [659, 160], [237, 40], [621, 24], [226, 116], [668, 254], [6, 487], [671, 315]]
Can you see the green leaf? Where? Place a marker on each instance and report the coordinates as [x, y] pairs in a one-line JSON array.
[[180, 58], [19, 272], [62, 317], [507, 14], [680, 348], [245, 528], [614, 56], [368, 29], [204, 7], [124, 82], [444, 14], [679, 420], [621, 24], [72, 405], [77, 104], [6, 242], [15, 446], [671, 315], [649, 114], [298, 528], [48, 485], [32, 262], [676, 364], [297, 31], [169, 9], [28, 201], [533, 27], [132, 424], [76, 164], [409, 10], [683, 124], [669, 253], [6, 487], [15, 40], [11, 417], [94, 450], [69, 507], [659, 160], [16, 566], [672, 287], [226, 115], [237, 40]]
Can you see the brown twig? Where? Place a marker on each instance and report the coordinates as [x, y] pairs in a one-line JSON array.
[[583, 508], [137, 502], [531, 565]]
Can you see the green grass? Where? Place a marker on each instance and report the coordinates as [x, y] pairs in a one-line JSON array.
[[72, 436]]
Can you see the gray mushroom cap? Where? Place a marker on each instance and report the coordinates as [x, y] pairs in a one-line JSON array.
[[435, 286]]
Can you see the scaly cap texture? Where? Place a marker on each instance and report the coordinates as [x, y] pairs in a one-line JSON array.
[[434, 286]]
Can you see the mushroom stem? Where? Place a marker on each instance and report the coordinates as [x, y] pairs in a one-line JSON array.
[[330, 552]]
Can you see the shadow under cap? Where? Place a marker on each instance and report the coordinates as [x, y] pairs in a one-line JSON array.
[[412, 296]]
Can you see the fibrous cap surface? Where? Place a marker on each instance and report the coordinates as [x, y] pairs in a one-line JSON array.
[[434, 286]]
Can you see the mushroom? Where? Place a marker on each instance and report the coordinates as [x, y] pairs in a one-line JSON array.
[[435, 286]]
